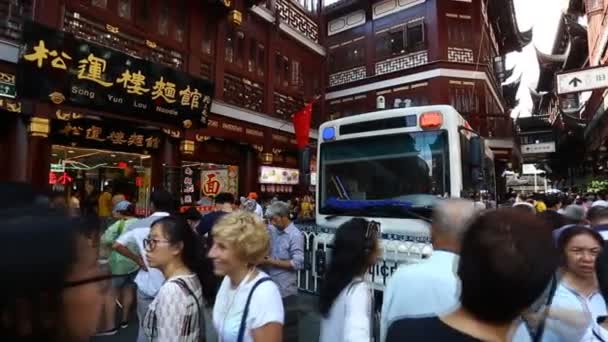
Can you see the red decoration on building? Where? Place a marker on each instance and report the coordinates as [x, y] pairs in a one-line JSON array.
[[139, 182], [211, 185], [301, 125], [123, 165]]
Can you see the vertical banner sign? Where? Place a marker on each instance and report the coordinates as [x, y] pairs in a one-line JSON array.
[[57, 67]]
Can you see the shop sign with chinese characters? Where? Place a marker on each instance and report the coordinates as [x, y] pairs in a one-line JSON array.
[[59, 178], [188, 186], [98, 134], [57, 67]]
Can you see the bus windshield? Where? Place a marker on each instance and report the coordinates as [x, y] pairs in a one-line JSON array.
[[408, 167]]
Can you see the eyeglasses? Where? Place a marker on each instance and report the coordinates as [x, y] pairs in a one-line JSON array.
[[373, 228], [150, 244]]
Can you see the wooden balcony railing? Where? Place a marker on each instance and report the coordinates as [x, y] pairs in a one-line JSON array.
[[102, 34], [297, 18], [243, 93], [285, 105]]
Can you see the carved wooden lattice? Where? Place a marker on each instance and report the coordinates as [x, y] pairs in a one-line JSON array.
[[402, 63], [297, 19], [347, 76], [243, 93], [460, 55], [12, 14], [285, 106], [96, 32]]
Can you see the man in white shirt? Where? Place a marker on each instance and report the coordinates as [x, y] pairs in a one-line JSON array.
[[148, 280], [431, 287]]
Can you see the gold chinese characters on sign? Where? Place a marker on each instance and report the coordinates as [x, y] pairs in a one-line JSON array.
[[87, 75], [96, 133]]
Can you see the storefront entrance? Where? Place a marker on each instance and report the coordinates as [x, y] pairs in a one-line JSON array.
[[80, 174]]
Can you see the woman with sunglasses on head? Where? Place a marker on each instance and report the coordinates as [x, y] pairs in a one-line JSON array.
[[52, 287], [345, 298], [176, 314], [577, 301], [248, 306]]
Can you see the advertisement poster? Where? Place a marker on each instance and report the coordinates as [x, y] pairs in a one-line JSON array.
[[278, 175]]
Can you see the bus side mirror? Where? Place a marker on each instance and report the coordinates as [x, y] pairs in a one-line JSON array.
[[476, 157], [304, 166], [476, 151]]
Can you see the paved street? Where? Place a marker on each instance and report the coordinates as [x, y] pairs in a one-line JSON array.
[[309, 324]]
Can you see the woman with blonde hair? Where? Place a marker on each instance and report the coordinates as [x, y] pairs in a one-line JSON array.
[[248, 306]]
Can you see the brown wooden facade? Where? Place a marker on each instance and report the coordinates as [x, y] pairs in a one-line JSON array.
[[265, 64], [416, 53]]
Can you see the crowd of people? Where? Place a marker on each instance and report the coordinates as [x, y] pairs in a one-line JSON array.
[[509, 274]]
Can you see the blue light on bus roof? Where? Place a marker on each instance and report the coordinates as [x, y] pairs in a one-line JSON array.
[[329, 133]]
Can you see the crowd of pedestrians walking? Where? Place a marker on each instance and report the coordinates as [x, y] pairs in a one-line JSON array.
[[509, 274]]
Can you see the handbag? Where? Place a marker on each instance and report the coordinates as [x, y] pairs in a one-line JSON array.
[[246, 310]]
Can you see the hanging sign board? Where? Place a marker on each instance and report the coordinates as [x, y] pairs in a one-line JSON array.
[[57, 67]]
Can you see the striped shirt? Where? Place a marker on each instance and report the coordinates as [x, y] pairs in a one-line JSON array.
[[286, 244], [176, 315]]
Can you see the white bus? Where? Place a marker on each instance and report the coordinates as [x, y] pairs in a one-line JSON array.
[[391, 166]]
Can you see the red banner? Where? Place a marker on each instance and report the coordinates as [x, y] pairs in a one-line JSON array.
[[301, 125]]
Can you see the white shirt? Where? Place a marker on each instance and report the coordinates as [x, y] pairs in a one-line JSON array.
[[591, 306], [349, 317], [258, 210], [557, 329], [266, 307], [428, 288], [147, 282]]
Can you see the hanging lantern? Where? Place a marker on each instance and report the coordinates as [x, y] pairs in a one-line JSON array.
[[267, 158]]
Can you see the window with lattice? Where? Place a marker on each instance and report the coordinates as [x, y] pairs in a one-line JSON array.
[[460, 32], [401, 39]]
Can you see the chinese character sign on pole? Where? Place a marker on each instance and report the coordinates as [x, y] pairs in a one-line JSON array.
[[55, 66]]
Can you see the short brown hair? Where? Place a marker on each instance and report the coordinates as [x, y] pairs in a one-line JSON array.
[[246, 232]]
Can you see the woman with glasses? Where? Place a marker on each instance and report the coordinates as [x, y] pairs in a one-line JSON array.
[[345, 298], [176, 314], [52, 287], [248, 307]]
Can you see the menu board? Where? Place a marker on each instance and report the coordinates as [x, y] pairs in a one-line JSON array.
[[278, 175]]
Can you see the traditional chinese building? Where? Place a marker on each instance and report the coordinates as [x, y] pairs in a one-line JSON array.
[[594, 112], [155, 93], [389, 54], [552, 137]]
